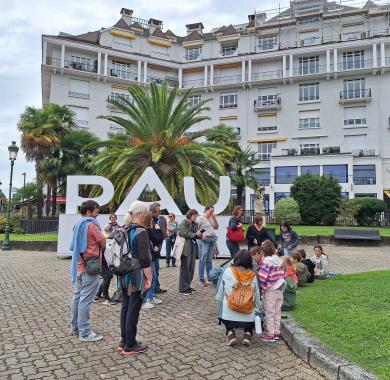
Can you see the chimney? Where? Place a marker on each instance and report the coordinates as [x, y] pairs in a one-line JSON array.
[[260, 18], [198, 26], [153, 24], [127, 15]]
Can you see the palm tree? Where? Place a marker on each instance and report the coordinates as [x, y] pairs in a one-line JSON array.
[[157, 133]]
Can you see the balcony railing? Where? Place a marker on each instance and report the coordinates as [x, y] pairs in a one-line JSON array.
[[227, 79], [273, 102], [356, 64], [193, 83], [119, 97], [56, 62], [123, 74], [364, 180], [363, 152], [313, 151], [310, 69], [267, 75], [309, 41], [359, 94], [228, 51], [116, 129], [171, 82]]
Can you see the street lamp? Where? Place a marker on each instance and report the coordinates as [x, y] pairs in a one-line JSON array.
[[24, 191], [13, 152], [1, 198]]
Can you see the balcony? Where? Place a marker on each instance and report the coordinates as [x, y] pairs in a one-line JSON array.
[[309, 70], [56, 62], [364, 180], [309, 41], [230, 79], [311, 151], [356, 64], [228, 51], [273, 102], [267, 75], [123, 74], [116, 129], [171, 82], [81, 124], [364, 152], [359, 95], [193, 83]]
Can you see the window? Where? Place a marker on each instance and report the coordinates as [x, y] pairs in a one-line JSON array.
[[267, 43], [354, 89], [81, 116], [310, 149], [193, 53], [310, 169], [279, 196], [344, 194], [265, 150], [81, 63], [229, 49], [309, 65], [285, 174], [118, 96], [365, 195], [309, 91], [194, 99], [355, 116], [228, 101], [308, 20], [309, 38], [265, 101], [267, 129], [309, 119], [120, 70], [263, 176], [79, 88], [364, 175], [353, 60], [338, 171]]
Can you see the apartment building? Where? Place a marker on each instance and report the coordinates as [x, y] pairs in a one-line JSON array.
[[308, 87]]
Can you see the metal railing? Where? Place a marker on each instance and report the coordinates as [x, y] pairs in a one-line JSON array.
[[309, 69], [362, 93], [193, 83], [267, 75], [119, 97], [273, 101], [39, 226], [123, 74], [364, 180], [363, 152], [227, 79], [158, 80], [80, 66]]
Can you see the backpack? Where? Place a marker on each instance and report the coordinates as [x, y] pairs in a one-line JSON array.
[[118, 253], [241, 297]]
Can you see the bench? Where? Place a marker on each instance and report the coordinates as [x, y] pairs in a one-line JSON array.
[[354, 234]]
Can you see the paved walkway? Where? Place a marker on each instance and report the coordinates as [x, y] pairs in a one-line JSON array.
[[185, 340]]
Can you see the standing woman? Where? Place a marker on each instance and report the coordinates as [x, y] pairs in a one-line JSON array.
[[257, 233], [189, 230], [290, 239], [234, 224], [170, 240]]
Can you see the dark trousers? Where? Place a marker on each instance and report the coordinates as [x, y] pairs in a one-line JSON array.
[[157, 282], [187, 269], [131, 306], [105, 284], [232, 247], [169, 243]]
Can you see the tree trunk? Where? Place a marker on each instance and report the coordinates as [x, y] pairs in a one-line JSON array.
[[240, 191], [29, 210], [40, 195], [54, 199], [48, 196]]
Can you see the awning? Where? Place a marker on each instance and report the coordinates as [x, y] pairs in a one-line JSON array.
[[276, 139], [387, 192]]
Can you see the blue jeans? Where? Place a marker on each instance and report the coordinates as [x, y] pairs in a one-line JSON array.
[[169, 243], [232, 247], [83, 295], [149, 295], [156, 264], [287, 252], [206, 251]]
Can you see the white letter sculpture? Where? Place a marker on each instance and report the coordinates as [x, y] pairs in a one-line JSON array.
[[223, 199]]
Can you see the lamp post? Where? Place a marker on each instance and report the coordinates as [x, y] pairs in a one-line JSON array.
[[24, 189], [1, 198], [13, 152]]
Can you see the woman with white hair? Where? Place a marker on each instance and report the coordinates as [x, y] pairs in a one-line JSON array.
[[137, 282]]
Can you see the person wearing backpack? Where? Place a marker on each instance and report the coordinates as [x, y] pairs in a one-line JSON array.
[[135, 283], [238, 295]]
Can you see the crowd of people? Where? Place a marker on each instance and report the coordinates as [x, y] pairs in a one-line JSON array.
[[258, 281]]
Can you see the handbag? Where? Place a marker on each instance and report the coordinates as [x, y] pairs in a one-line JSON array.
[[93, 265], [237, 236], [178, 247]]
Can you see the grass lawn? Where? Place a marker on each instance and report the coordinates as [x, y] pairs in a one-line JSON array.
[[350, 314], [30, 237]]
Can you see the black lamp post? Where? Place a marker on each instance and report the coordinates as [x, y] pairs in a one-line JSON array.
[[24, 191], [13, 152]]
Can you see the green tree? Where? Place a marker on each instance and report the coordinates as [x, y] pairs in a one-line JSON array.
[[347, 211], [287, 209], [368, 210], [318, 198], [157, 134], [30, 193]]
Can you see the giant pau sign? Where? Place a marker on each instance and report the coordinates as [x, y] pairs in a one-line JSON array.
[[148, 178]]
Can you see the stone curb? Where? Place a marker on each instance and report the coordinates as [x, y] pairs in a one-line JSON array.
[[33, 245], [321, 358]]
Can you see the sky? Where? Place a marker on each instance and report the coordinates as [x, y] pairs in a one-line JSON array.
[[23, 22]]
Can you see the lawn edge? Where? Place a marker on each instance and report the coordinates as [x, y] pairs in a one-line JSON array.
[[318, 356]]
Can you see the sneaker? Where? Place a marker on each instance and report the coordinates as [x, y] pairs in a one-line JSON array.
[[108, 302], [202, 283], [91, 337], [231, 338], [138, 348], [186, 293], [160, 291], [97, 299], [174, 265], [247, 339], [156, 301], [276, 337], [268, 338], [208, 282], [147, 305], [192, 290]]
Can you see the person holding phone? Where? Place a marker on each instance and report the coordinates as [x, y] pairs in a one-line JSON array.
[[208, 224]]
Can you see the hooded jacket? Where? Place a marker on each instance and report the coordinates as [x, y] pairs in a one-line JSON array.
[[272, 273]]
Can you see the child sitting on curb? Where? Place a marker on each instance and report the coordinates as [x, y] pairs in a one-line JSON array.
[[291, 272], [302, 272], [321, 270], [290, 293], [309, 264]]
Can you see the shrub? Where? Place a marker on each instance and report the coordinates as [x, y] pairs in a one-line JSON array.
[[347, 211], [287, 209], [15, 223], [369, 208], [3, 220], [318, 199]]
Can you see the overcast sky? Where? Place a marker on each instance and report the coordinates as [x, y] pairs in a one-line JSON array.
[[22, 23]]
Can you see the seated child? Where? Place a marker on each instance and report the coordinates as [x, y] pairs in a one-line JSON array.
[[321, 270], [302, 272], [291, 272], [257, 256], [290, 293], [309, 264]]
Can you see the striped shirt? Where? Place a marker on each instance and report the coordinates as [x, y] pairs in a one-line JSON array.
[[271, 273]]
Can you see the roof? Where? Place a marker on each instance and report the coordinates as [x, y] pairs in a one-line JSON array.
[[230, 30], [121, 24], [193, 36], [158, 33], [170, 33]]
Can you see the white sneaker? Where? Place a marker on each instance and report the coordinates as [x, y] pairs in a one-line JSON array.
[[147, 305], [156, 301], [91, 337]]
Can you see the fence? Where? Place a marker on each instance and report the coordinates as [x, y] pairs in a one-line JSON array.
[[39, 226]]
